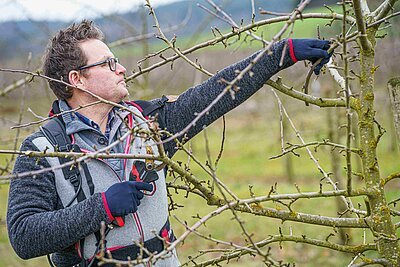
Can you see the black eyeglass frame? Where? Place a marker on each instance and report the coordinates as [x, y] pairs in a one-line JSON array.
[[112, 64]]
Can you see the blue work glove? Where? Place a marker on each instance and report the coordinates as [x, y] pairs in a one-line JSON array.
[[124, 198], [312, 50]]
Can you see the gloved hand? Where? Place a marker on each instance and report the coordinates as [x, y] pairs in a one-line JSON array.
[[311, 49], [124, 198]]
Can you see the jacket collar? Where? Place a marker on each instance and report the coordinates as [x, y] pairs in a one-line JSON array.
[[73, 124]]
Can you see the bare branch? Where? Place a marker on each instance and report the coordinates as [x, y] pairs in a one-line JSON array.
[[318, 101], [336, 76], [382, 262], [231, 34], [15, 85], [359, 14], [231, 22], [102, 100], [364, 41], [384, 9], [291, 148], [266, 12], [278, 239], [384, 181], [348, 202], [231, 84], [378, 22], [151, 35], [48, 118]]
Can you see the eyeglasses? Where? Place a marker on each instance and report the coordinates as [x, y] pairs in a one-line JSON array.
[[112, 64]]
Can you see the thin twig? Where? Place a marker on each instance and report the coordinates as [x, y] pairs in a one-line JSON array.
[[320, 169]]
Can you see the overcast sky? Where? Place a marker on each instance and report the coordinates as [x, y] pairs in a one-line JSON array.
[[67, 10]]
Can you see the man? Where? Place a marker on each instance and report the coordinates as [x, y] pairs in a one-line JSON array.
[[56, 212]]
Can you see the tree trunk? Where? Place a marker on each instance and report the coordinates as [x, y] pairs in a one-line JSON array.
[[381, 222]]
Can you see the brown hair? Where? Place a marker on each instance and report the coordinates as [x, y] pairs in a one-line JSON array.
[[64, 54]]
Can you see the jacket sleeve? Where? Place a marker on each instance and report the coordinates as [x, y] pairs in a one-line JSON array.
[[177, 115], [36, 221]]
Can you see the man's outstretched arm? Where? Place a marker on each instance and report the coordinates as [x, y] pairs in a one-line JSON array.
[[177, 115]]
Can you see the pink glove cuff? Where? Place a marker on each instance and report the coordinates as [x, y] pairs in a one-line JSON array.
[[291, 51], [103, 197]]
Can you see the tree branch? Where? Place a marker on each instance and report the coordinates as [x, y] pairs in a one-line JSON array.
[[132, 39], [365, 44], [292, 148], [317, 101], [303, 239], [232, 34], [384, 9], [384, 181]]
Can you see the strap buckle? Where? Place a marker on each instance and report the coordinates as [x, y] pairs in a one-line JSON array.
[[65, 148], [73, 178]]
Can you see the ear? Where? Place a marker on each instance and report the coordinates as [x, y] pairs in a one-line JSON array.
[[75, 78]]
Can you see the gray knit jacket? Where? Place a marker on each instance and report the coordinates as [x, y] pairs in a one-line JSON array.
[[37, 222]]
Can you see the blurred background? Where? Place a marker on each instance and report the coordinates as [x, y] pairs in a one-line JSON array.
[[252, 130]]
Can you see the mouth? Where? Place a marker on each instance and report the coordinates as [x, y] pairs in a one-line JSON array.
[[122, 81]]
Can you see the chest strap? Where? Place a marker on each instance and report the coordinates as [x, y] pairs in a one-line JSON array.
[[54, 131]]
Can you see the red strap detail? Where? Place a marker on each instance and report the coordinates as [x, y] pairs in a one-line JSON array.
[[72, 139], [135, 105], [78, 249], [291, 51], [120, 221], [103, 197], [164, 234], [130, 120], [134, 173]]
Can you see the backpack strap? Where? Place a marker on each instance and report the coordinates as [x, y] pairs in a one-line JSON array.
[[149, 108], [54, 131]]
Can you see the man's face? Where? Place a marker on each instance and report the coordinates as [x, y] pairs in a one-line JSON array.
[[100, 80]]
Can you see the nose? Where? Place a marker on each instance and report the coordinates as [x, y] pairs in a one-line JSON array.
[[120, 69]]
